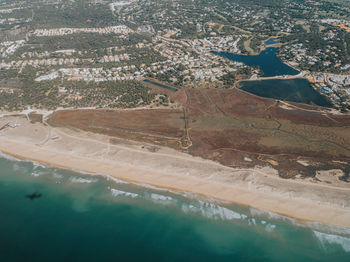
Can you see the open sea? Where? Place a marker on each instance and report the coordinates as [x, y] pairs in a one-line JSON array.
[[80, 217]]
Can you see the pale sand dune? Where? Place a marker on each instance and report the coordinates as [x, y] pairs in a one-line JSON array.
[[167, 168]]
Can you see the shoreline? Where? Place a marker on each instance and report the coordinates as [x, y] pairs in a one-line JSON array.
[[305, 211]]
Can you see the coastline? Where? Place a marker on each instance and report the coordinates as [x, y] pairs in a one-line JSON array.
[[299, 210], [259, 187]]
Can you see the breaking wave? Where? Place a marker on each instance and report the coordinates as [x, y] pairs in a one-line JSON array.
[[37, 165], [270, 215], [329, 229], [161, 197], [213, 211], [327, 239], [208, 208], [116, 180], [82, 180], [8, 157], [56, 175], [12, 158], [116, 192]]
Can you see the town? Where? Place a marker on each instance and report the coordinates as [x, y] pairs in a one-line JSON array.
[[137, 40]]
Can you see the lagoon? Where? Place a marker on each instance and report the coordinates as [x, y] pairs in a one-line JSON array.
[[267, 60], [271, 41], [293, 90]]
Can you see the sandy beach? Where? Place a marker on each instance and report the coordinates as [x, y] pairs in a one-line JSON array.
[[259, 187]]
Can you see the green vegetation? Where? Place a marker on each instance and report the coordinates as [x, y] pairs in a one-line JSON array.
[[164, 39], [46, 94]]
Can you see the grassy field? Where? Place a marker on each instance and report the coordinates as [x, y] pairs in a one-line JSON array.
[[232, 127]]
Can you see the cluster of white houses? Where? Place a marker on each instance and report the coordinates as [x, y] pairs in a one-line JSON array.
[[36, 63], [119, 29]]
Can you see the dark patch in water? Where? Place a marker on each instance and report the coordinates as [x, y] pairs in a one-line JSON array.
[[34, 196]]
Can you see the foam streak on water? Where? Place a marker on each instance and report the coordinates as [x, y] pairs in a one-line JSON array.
[[326, 239], [8, 157], [82, 180], [116, 192]]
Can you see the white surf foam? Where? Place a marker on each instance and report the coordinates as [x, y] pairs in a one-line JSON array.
[[8, 157], [58, 176], [270, 227], [116, 180], [82, 180], [151, 187], [11, 158], [251, 221], [326, 239], [161, 197], [269, 215], [37, 165], [116, 192], [213, 211], [328, 229], [333, 230]]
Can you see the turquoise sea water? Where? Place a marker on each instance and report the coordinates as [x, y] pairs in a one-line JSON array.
[[92, 218]]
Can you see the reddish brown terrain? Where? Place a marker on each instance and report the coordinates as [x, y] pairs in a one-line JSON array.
[[232, 127]]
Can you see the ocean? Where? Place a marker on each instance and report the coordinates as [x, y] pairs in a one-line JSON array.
[[81, 217]]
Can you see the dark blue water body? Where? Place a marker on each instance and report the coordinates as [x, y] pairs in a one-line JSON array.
[[267, 60], [293, 90], [92, 218], [271, 41]]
